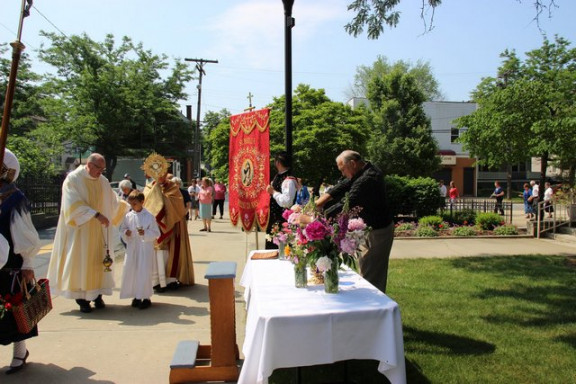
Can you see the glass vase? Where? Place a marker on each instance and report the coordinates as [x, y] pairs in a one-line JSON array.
[[281, 251], [331, 278], [300, 276]]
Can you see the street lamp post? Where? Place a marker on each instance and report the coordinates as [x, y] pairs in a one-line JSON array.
[[197, 146], [288, 25]]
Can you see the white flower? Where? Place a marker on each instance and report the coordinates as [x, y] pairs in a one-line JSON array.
[[324, 264]]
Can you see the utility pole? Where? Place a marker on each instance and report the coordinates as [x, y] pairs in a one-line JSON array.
[[197, 145]]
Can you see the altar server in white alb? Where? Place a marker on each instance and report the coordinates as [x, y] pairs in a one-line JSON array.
[[89, 208], [139, 231]]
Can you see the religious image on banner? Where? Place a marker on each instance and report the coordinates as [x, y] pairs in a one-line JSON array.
[[249, 165]]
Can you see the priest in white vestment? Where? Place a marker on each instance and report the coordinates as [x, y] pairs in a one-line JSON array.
[[84, 234]]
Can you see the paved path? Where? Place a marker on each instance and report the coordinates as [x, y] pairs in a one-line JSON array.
[[121, 344]]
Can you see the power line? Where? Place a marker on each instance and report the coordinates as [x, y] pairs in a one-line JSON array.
[[15, 34], [48, 20]]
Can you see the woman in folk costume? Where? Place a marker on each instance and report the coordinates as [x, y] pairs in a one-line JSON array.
[[19, 243], [139, 231], [89, 206], [174, 264]]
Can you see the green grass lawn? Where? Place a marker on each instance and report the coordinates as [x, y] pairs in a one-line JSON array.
[[476, 320]]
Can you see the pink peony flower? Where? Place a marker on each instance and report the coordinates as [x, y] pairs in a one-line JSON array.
[[316, 231], [356, 225], [348, 245], [286, 214], [293, 218]]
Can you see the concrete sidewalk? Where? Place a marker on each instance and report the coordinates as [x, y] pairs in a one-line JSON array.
[[121, 344]]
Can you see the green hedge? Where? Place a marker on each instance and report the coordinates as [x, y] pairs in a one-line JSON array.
[[409, 196]]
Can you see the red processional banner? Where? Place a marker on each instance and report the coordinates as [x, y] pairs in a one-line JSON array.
[[249, 167]]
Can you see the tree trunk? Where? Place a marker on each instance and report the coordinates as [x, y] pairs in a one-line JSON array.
[[509, 181], [543, 166]]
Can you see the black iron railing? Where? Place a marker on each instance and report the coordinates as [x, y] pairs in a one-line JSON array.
[[479, 205], [44, 194]]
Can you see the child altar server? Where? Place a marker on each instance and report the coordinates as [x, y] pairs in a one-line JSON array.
[[139, 231]]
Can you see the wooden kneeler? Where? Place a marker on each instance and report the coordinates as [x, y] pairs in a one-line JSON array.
[[193, 362]]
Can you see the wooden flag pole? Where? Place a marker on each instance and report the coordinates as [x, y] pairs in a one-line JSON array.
[[17, 48]]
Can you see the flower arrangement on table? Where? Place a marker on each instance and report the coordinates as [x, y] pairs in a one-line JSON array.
[[327, 243], [283, 236]]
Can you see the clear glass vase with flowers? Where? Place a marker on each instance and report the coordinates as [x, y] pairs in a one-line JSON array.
[[332, 242], [283, 236]]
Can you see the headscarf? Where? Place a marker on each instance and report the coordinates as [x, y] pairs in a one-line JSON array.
[[11, 167]]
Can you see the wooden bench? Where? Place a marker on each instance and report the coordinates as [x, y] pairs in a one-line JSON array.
[[193, 362]]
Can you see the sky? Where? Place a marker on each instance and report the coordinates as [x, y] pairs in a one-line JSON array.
[[247, 39]]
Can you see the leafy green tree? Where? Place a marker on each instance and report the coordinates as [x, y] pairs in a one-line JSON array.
[[528, 110], [554, 66], [498, 132], [217, 138], [113, 98], [373, 15], [322, 129], [34, 151], [402, 141], [421, 71]]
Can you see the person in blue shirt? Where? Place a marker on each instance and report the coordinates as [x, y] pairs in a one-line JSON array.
[[302, 194], [527, 201], [498, 194]]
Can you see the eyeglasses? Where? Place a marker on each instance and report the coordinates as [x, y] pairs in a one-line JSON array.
[[101, 169]]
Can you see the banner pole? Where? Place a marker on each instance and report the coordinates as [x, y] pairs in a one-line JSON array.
[[256, 236]]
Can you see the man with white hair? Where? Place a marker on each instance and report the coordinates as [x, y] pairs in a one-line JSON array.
[[83, 235], [19, 243], [365, 188]]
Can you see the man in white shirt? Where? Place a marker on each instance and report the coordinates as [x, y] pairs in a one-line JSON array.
[[282, 192], [193, 191]]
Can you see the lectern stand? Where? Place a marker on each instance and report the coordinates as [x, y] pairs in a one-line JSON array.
[[193, 362]]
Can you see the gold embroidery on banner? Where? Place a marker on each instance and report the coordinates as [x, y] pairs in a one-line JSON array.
[[246, 122], [252, 190]]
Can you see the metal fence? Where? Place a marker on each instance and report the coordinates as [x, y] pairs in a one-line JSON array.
[[551, 217], [44, 194], [479, 205]]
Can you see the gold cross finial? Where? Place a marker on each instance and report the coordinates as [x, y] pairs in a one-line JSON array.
[[249, 97]]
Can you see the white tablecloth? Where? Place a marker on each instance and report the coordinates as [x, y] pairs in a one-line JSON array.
[[294, 327]]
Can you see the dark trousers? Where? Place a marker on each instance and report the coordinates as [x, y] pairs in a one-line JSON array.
[[498, 207], [374, 263], [218, 203]]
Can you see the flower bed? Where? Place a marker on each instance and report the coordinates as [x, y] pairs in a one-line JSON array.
[[434, 227], [448, 234]]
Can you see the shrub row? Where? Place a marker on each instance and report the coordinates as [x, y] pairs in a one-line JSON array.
[[429, 226], [413, 196]]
